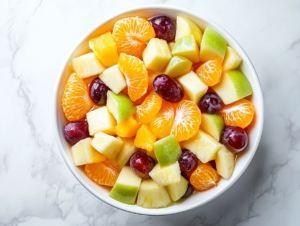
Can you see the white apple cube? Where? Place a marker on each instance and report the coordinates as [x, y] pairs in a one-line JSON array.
[[126, 152], [232, 59], [225, 162], [113, 78], [185, 27], [176, 191]]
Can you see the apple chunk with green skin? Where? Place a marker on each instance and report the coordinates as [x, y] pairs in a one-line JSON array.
[[113, 78], [233, 86], [126, 187], [119, 105], [126, 152], [225, 162], [212, 124], [176, 191], [187, 47], [232, 59], [213, 46], [178, 65], [167, 150]]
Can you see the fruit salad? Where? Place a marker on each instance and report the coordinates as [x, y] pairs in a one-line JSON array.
[[157, 110]]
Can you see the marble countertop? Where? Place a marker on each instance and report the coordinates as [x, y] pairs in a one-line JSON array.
[[36, 187]]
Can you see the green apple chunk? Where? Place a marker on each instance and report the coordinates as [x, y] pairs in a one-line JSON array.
[[127, 150], [167, 150], [185, 27], [203, 146], [233, 86], [126, 187], [232, 59], [213, 46], [225, 162], [151, 195], [178, 65], [119, 105], [187, 47], [212, 124], [176, 191]]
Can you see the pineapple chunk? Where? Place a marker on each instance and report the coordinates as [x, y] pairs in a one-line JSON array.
[[167, 175], [193, 86], [225, 162], [126, 152], [176, 191], [101, 120], [232, 59], [83, 153], [203, 146], [107, 145], [113, 78], [87, 65], [157, 55], [151, 195]]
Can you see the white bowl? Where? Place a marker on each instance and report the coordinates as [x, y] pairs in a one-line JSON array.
[[196, 199]]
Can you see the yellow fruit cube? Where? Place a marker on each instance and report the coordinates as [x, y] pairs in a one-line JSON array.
[[145, 138], [128, 127], [105, 49]]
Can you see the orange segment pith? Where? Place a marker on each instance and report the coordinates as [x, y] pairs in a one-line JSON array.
[[239, 113], [131, 35], [136, 75], [210, 72], [76, 101], [204, 177]]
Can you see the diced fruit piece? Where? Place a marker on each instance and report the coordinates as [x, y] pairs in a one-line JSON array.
[[193, 86], [213, 46], [166, 175], [100, 120], [232, 59], [128, 127], [188, 161], [234, 138], [210, 72], [83, 153], [225, 163], [186, 27], [136, 75], [145, 138], [141, 164], [132, 34], [76, 101], [107, 145], [163, 120], [168, 88], [87, 65], [149, 108], [239, 113], [178, 65], [176, 191], [98, 91], [127, 186], [76, 131], [204, 177], [105, 49], [203, 146], [151, 195], [157, 55], [186, 46], [212, 124], [126, 152], [164, 27], [210, 103], [187, 120], [189, 191], [103, 173], [114, 79], [120, 106], [233, 86]]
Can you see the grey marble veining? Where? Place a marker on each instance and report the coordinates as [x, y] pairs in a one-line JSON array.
[[36, 187]]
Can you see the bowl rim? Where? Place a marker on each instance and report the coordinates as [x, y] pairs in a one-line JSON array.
[[148, 7]]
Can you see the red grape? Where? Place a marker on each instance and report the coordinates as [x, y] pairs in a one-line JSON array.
[[98, 91], [76, 131], [141, 164], [210, 103], [164, 27], [188, 161], [234, 138]]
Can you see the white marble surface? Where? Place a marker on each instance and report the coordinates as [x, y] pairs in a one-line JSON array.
[[36, 187]]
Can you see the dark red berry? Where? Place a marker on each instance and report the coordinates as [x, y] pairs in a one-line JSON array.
[[76, 131], [98, 91], [141, 164], [164, 27], [234, 138]]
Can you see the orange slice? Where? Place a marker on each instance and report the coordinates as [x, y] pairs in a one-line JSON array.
[[132, 34], [136, 75], [210, 72], [204, 177], [76, 101], [239, 113], [149, 108]]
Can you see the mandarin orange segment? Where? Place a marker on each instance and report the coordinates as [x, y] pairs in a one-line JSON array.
[[204, 177], [210, 72], [136, 75], [132, 34], [145, 138], [128, 127], [76, 101], [149, 108], [187, 120], [239, 113]]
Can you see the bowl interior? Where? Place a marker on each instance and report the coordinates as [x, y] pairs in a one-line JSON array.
[[197, 199]]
